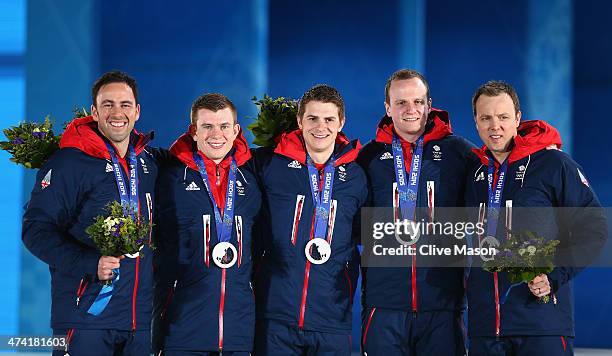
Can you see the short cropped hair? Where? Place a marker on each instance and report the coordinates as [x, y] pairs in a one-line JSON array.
[[495, 88], [213, 102], [404, 74], [113, 77], [325, 94]]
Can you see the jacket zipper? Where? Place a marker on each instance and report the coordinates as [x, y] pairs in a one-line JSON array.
[[497, 312], [221, 308], [81, 290], [367, 326], [414, 282], [135, 293], [306, 279], [350, 285], [168, 300], [307, 269]]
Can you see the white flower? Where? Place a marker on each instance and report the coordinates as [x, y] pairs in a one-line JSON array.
[[521, 251], [109, 223], [531, 250]]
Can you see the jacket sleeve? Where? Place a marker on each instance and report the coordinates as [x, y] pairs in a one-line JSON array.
[[52, 208], [261, 226], [366, 155], [584, 220], [166, 241]]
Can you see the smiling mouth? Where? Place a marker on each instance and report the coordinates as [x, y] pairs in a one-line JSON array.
[[118, 124], [320, 136], [216, 145], [410, 119]]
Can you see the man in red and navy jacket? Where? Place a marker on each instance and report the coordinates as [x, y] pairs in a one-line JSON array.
[[72, 188], [411, 310], [533, 186], [312, 190], [208, 202]]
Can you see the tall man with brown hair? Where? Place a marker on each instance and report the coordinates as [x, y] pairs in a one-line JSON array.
[[312, 190]]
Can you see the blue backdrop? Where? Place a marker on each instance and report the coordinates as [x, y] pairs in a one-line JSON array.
[[555, 52]]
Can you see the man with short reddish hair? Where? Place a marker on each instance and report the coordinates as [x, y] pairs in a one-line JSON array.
[[208, 201]]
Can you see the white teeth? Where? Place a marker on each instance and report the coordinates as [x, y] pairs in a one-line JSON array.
[[117, 124], [215, 145], [319, 136]]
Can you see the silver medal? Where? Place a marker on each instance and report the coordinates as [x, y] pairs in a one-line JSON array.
[[224, 255], [317, 251]]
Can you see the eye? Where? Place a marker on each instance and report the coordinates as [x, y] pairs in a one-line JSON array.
[[419, 102], [225, 127], [126, 105], [400, 102], [329, 119], [107, 105], [206, 127]]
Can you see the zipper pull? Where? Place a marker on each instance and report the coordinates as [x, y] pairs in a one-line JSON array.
[[78, 299], [218, 183]]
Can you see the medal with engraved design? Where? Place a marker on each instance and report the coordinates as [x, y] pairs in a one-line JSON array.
[[317, 251], [224, 255]]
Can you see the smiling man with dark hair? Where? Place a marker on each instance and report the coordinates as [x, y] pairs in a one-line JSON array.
[[98, 155]]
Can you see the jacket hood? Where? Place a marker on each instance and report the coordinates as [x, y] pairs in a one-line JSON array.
[[437, 127], [83, 134], [292, 145], [184, 146], [532, 136]]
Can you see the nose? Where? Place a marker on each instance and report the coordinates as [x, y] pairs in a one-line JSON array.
[[494, 124], [411, 108], [216, 130], [320, 124], [117, 110]]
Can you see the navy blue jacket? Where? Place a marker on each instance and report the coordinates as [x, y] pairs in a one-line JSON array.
[[441, 183], [71, 189], [290, 289], [538, 178], [209, 308]]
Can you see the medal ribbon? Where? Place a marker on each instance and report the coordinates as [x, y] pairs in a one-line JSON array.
[[224, 225], [493, 208], [495, 195], [129, 201], [407, 186], [322, 202]]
